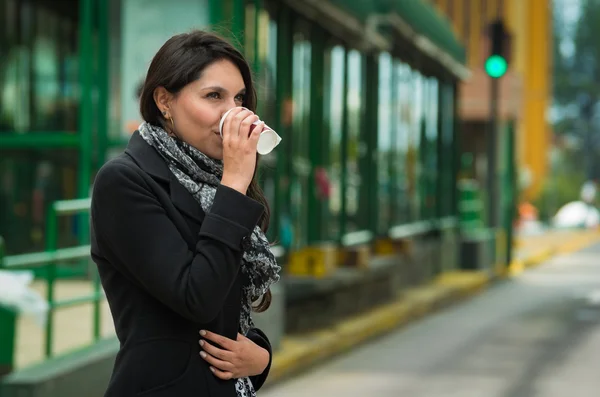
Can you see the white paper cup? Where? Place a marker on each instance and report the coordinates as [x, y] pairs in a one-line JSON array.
[[267, 141]]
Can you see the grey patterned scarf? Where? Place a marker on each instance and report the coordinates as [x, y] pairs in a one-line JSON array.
[[201, 175]]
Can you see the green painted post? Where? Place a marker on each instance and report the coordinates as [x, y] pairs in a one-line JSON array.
[[510, 191], [256, 59], [423, 156], [103, 80], [103, 121], [283, 92], [456, 150], [325, 136], [441, 170], [315, 208], [86, 55], [344, 151], [393, 154], [51, 245], [215, 11], [371, 137], [364, 139], [238, 23], [8, 325]]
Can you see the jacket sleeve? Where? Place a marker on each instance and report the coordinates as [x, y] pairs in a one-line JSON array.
[[136, 231], [258, 337]]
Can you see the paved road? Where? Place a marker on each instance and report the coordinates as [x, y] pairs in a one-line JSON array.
[[536, 336]]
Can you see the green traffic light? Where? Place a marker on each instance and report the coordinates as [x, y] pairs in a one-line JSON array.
[[495, 66]]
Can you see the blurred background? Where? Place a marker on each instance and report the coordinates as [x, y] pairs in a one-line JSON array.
[[427, 144]]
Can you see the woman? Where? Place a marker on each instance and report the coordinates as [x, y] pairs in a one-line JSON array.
[[178, 224]]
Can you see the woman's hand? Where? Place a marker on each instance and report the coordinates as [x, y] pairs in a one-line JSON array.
[[237, 358], [239, 149]]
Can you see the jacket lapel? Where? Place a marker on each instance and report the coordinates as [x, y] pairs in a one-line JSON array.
[[184, 201], [152, 163]]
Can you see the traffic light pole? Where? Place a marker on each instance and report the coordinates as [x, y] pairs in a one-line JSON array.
[[492, 152]]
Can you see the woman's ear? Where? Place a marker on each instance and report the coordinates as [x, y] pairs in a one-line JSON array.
[[163, 99]]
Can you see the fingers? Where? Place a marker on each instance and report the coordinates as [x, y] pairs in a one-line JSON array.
[[244, 129], [253, 138], [227, 130], [221, 374], [222, 341], [215, 351], [238, 122], [216, 363]]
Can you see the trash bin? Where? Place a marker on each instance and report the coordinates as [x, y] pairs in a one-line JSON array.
[[477, 250], [8, 325]]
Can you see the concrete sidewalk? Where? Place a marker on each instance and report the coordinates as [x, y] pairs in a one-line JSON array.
[[73, 326]]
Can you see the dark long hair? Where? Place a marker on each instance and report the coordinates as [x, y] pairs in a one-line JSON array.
[[179, 62]]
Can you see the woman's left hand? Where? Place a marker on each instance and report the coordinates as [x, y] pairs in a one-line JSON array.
[[237, 358]]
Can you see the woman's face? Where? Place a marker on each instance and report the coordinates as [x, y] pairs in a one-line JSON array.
[[197, 109]]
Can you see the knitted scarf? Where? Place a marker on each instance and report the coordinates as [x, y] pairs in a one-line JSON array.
[[201, 175]]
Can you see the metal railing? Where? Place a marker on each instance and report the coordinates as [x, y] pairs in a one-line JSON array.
[[49, 261]]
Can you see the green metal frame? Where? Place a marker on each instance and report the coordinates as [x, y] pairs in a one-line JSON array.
[[93, 74], [370, 137], [392, 161], [86, 107], [227, 17], [509, 188], [283, 95], [39, 140], [103, 81], [49, 260]]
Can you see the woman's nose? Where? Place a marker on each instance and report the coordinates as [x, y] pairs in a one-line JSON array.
[[231, 104]]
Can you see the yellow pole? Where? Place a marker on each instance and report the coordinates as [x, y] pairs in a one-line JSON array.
[[458, 18], [492, 9], [537, 90], [443, 6], [475, 33]]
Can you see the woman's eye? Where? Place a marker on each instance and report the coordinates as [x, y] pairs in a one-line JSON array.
[[214, 95], [240, 98]]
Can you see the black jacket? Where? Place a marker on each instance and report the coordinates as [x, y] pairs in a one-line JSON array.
[[168, 270]]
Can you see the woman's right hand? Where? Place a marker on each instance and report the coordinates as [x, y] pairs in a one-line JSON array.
[[239, 149]]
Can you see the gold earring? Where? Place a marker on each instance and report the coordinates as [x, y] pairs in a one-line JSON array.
[[172, 124]]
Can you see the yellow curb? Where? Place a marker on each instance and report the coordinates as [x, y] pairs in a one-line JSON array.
[[538, 258], [298, 353], [516, 267], [574, 244]]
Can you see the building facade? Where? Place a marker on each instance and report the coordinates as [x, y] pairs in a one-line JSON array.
[[525, 91], [364, 94]]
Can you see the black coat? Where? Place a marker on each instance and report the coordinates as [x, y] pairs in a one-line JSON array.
[[168, 270]]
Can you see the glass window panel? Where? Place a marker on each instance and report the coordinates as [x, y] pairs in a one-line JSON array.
[[265, 78], [30, 180], [447, 153], [334, 110], [429, 158], [301, 166], [402, 122], [385, 142], [355, 146], [38, 67]]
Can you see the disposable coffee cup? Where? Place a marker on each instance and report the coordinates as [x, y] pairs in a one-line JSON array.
[[267, 141]]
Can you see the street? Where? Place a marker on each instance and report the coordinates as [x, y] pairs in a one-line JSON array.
[[534, 336]]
